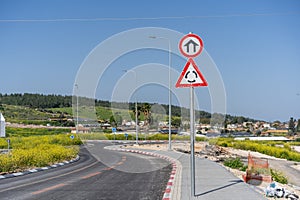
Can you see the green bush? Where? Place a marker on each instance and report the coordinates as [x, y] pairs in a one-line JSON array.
[[278, 177], [235, 163]]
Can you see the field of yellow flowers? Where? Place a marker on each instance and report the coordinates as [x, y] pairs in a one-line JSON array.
[[36, 151]]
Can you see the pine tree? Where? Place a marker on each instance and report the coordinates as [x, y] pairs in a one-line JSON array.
[[298, 126], [291, 126]]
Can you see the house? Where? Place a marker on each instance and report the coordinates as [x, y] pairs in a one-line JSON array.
[[80, 129]]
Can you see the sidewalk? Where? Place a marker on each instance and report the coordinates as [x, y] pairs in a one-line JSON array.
[[213, 182]]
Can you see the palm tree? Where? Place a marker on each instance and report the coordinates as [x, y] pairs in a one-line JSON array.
[[139, 109], [146, 109]]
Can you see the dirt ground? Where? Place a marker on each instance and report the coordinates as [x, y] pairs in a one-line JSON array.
[[204, 150]]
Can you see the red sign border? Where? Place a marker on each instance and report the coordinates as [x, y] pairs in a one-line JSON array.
[[191, 61], [191, 35]]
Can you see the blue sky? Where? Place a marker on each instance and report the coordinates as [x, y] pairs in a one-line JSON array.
[[255, 45]]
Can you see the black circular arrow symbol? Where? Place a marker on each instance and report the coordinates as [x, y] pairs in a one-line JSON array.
[[191, 81]]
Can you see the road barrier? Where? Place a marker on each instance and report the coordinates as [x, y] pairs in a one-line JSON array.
[[258, 169]]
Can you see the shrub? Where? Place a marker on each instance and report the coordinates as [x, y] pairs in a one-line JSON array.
[[278, 177], [235, 163]]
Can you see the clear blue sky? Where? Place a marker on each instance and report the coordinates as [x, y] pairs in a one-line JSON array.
[[255, 45]]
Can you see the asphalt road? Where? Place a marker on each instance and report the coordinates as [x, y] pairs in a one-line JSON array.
[[117, 177]]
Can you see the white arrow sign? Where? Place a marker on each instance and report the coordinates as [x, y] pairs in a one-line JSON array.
[[191, 45]]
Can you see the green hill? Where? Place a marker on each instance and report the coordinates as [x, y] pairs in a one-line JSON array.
[[57, 109]]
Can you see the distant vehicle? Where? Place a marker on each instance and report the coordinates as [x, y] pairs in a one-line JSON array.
[[166, 131]]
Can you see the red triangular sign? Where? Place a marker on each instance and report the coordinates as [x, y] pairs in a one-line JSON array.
[[191, 76]]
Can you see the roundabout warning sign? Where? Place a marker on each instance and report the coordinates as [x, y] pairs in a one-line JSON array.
[[191, 46], [191, 76]]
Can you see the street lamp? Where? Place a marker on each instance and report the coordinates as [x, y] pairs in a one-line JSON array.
[[170, 94], [76, 85], [136, 113]]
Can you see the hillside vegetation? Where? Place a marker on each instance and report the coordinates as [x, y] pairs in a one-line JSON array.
[[38, 109]]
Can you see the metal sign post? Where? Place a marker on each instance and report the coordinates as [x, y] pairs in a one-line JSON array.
[[8, 146], [114, 130], [192, 137], [191, 46]]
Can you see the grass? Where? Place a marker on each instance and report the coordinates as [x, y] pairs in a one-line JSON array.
[[12, 131], [158, 136]]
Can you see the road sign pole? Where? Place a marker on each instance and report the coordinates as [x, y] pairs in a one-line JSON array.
[[191, 46], [8, 146], [192, 137], [136, 124]]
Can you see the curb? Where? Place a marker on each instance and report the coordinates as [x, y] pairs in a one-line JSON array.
[[30, 171], [171, 182]]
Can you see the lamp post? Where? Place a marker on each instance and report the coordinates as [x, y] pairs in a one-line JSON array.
[[136, 113], [76, 85], [170, 94]]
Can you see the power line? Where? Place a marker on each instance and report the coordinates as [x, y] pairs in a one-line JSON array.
[[147, 18]]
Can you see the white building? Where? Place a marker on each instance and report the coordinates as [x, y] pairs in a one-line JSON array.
[[2, 126], [266, 125]]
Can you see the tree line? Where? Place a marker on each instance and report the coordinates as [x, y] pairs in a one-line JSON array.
[[43, 101], [36, 100]]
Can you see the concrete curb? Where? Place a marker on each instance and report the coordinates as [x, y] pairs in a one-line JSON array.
[[30, 171], [173, 177]]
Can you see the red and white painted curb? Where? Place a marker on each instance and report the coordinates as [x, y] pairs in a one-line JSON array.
[[170, 185]]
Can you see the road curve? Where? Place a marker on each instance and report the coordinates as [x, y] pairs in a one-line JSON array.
[[92, 179]]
